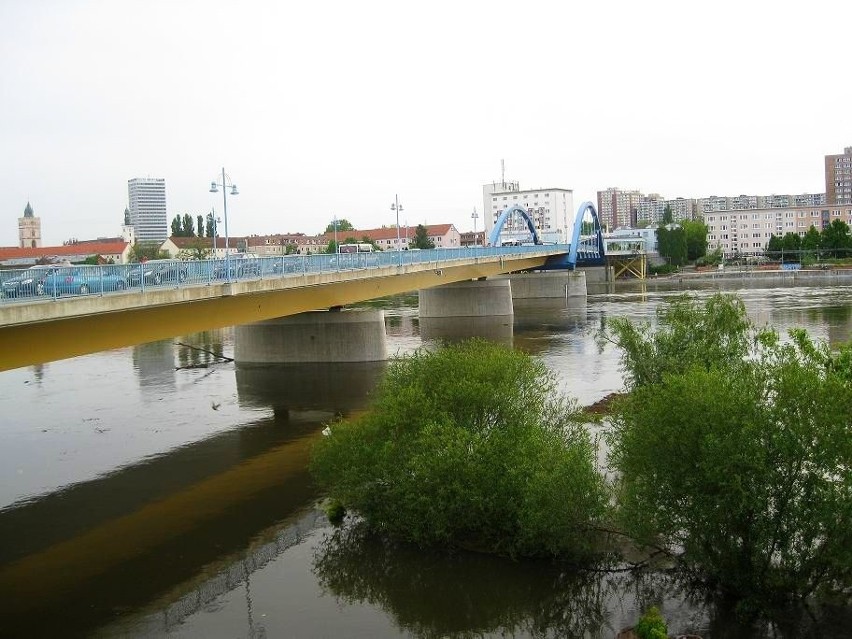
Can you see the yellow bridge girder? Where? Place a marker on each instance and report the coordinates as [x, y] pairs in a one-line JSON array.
[[46, 331], [634, 265]]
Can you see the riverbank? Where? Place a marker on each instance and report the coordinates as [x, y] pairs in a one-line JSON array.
[[842, 275]]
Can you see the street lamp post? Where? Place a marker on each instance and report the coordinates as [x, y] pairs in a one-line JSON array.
[[336, 245], [474, 215], [396, 206], [225, 183]]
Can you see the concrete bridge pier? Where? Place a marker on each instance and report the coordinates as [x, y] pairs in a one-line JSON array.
[[473, 308], [318, 336], [547, 284]]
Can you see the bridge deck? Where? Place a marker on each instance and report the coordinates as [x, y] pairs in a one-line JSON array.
[[50, 329]]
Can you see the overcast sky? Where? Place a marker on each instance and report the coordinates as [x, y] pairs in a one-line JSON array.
[[323, 108]]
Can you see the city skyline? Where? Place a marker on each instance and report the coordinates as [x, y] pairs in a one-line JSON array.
[[327, 111]]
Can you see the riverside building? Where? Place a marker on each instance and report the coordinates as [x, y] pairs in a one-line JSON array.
[[552, 211], [747, 231]]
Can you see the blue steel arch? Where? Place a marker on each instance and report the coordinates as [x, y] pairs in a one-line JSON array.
[[498, 225], [591, 253]]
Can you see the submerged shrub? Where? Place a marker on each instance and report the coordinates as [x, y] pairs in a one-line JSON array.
[[737, 459], [469, 446]]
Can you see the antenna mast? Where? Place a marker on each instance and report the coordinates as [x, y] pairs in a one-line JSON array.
[[503, 172]]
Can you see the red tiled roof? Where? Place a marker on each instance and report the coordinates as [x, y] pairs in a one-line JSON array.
[[87, 248], [389, 232], [203, 242]]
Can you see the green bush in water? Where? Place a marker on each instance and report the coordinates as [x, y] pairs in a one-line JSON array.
[[469, 446]]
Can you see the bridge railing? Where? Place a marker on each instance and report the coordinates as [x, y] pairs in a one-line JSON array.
[[39, 284]]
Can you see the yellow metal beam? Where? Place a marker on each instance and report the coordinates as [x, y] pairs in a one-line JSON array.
[[25, 344], [635, 265]]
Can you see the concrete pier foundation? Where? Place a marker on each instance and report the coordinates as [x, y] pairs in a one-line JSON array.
[[318, 336], [547, 284], [476, 298], [477, 308]]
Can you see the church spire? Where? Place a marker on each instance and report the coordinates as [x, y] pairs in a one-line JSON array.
[[28, 212]]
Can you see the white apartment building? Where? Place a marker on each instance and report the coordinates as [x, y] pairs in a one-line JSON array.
[[748, 231], [148, 217], [552, 211], [740, 202], [652, 208]]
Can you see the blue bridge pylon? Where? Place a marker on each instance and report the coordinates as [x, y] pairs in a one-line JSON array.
[[586, 247]]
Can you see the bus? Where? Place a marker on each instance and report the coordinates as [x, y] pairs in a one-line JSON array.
[[362, 247]]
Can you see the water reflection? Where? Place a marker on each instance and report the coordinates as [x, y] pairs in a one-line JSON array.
[[496, 329], [154, 365], [335, 388], [71, 558], [459, 595]]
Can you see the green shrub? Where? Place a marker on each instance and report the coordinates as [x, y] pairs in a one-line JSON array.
[[469, 446], [734, 452], [651, 625]]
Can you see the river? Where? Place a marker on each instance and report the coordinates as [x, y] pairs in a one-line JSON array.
[[160, 491]]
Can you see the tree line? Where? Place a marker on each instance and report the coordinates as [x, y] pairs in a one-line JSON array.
[[185, 226], [835, 241]]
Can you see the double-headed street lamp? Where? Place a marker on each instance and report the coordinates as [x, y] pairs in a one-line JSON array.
[[396, 206], [226, 183]]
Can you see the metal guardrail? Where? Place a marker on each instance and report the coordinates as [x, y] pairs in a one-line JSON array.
[[39, 284]]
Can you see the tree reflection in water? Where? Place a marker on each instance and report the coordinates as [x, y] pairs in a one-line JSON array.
[[431, 594]]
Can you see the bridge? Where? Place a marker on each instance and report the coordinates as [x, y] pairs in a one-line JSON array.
[[81, 310]]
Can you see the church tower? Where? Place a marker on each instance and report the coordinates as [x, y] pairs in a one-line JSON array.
[[29, 229]]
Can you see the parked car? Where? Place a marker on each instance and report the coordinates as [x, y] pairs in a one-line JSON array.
[[155, 272], [82, 280], [240, 267], [29, 283]]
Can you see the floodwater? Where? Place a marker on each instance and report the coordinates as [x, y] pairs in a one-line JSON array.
[[160, 491]]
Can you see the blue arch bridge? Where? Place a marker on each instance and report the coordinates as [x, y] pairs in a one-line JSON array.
[[587, 246]]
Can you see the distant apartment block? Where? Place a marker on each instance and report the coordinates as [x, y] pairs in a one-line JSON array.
[[652, 208], [747, 231], [743, 202], [147, 207], [552, 211], [838, 177], [618, 208]]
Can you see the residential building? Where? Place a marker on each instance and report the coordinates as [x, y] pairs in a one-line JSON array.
[[473, 238], [148, 217], [748, 231], [109, 250], [745, 202], [838, 177], [552, 211], [652, 209], [442, 236], [278, 244], [618, 208], [29, 229], [178, 247]]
